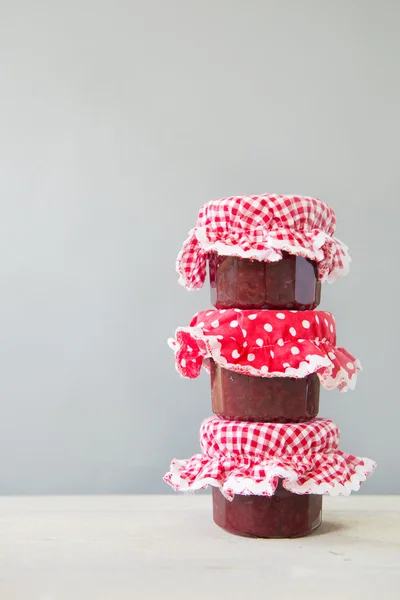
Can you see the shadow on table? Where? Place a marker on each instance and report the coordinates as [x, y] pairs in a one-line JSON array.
[[329, 527]]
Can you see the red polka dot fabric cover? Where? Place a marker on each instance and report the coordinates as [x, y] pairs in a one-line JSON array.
[[266, 343], [261, 228], [249, 458]]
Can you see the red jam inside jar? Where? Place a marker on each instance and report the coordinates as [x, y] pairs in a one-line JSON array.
[[275, 399], [283, 515], [290, 283]]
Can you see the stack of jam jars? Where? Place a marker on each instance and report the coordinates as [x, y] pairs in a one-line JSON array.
[[266, 454]]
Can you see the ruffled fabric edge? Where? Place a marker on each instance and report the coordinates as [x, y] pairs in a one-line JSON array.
[[193, 474], [318, 359], [191, 263], [331, 254]]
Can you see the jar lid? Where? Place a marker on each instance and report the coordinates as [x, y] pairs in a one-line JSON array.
[[261, 228], [266, 343], [250, 458]]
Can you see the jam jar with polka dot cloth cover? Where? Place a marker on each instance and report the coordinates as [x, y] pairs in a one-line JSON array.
[[265, 365]]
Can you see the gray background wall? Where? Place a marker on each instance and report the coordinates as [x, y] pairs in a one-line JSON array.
[[118, 119]]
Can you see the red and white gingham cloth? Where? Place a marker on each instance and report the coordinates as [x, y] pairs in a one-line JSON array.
[[266, 343], [261, 227], [250, 458]]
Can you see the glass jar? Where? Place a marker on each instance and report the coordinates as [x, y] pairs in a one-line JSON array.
[[283, 515], [290, 283], [264, 399]]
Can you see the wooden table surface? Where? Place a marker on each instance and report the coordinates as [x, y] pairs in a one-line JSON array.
[[145, 547]]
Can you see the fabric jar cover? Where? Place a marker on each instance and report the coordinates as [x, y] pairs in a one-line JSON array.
[[266, 343], [261, 228], [250, 458]]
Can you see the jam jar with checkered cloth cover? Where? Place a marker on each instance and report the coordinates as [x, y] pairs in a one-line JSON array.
[[268, 478], [264, 252]]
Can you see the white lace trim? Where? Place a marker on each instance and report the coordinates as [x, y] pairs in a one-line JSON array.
[[269, 253], [246, 486]]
